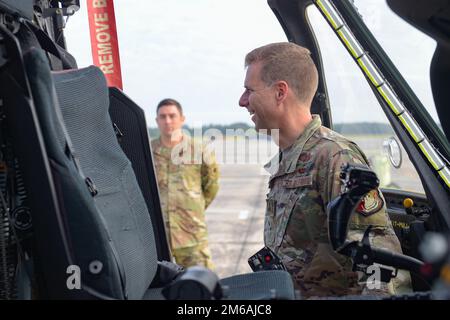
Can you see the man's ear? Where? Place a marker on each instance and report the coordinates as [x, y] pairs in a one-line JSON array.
[[282, 90]]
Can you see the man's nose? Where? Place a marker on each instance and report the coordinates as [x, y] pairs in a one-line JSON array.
[[243, 101], [167, 120]]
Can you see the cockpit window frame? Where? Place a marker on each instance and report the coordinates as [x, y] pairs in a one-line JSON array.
[[436, 187]]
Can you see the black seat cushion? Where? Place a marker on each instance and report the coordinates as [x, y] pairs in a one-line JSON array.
[[89, 240], [84, 100]]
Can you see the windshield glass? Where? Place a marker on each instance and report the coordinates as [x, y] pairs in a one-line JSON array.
[[410, 49], [356, 113]]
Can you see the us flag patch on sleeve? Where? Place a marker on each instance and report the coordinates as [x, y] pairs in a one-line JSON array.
[[370, 204]]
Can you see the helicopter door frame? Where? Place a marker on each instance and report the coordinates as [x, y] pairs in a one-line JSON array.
[[426, 146]]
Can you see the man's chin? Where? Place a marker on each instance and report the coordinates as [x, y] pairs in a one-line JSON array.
[[168, 133]]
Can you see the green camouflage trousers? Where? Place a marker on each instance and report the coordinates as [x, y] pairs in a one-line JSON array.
[[194, 256]]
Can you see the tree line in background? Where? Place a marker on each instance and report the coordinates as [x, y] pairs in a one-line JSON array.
[[354, 128]]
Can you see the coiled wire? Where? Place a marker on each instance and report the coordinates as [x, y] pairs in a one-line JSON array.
[[8, 250]]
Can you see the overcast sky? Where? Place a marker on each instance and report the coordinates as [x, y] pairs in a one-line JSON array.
[[193, 51]]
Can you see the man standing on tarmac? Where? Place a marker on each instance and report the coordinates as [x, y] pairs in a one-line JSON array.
[[187, 175]]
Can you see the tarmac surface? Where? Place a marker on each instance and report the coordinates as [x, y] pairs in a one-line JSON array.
[[235, 219]]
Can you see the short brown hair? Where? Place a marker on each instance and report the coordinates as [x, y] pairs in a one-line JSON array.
[[288, 62], [169, 102]]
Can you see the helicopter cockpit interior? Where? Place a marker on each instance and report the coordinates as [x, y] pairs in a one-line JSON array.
[[75, 160]]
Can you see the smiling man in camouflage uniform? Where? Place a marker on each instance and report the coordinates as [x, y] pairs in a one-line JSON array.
[[280, 84], [187, 175]]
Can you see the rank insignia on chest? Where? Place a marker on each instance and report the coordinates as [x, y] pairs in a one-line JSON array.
[[304, 157], [370, 204]]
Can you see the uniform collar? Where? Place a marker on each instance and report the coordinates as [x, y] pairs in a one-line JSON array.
[[290, 155], [158, 146]]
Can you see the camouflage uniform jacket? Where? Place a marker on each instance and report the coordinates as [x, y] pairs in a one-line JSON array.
[[187, 176], [296, 226]]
